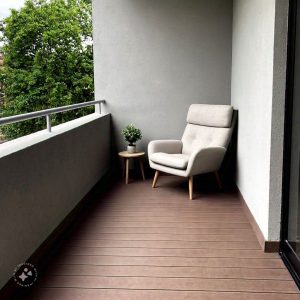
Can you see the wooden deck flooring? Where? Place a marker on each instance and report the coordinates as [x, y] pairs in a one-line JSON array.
[[144, 243]]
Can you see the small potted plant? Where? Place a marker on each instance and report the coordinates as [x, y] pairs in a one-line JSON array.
[[131, 135]]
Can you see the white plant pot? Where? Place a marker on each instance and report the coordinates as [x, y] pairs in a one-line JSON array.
[[131, 149]]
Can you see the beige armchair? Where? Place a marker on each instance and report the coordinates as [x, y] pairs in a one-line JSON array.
[[201, 148]]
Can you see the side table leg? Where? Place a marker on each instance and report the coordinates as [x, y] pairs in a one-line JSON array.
[[127, 170], [142, 169], [124, 167]]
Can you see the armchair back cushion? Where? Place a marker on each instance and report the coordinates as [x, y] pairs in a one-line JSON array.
[[210, 115], [208, 125]]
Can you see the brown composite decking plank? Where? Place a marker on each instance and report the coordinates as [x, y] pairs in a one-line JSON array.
[[190, 272], [164, 198], [167, 230], [161, 210], [119, 294], [166, 244], [201, 207], [165, 237], [123, 204], [177, 220], [143, 243], [164, 205], [168, 252], [171, 261], [170, 214], [109, 223], [175, 208], [163, 283]]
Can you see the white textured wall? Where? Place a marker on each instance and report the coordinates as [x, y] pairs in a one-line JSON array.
[[258, 92], [251, 93], [154, 58]]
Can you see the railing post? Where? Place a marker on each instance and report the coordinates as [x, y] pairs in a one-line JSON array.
[[98, 107], [48, 120]]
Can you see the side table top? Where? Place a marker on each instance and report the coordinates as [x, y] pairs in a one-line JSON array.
[[129, 155]]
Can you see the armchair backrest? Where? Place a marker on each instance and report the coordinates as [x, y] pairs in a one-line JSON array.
[[207, 125]]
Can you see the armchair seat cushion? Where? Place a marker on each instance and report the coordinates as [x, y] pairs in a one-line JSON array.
[[177, 161]]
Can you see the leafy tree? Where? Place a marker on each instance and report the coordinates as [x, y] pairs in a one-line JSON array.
[[48, 61]]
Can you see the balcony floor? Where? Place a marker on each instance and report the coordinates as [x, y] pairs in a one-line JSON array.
[[144, 243]]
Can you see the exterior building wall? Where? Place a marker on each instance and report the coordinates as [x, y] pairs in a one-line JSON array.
[[155, 58], [258, 92], [43, 176]]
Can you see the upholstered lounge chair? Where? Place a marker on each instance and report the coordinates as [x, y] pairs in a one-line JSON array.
[[201, 148]]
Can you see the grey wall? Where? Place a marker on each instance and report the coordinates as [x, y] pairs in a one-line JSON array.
[[257, 91], [41, 184], [154, 58], [277, 125]]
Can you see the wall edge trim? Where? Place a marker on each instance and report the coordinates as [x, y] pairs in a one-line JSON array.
[[266, 246]]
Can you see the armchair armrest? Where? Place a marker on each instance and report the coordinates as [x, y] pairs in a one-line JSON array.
[[205, 160], [166, 146]]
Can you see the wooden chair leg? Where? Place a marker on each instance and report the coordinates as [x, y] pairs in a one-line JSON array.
[[191, 187], [155, 179], [219, 182]]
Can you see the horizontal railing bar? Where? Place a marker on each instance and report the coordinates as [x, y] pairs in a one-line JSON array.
[[45, 112]]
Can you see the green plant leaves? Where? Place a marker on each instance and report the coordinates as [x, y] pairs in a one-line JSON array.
[[131, 134]]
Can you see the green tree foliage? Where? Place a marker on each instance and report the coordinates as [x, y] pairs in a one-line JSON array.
[[48, 61]]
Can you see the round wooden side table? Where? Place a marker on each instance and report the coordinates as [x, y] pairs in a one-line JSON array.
[[126, 156]]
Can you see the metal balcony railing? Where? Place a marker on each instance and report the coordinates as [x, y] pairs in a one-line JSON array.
[[48, 112]]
